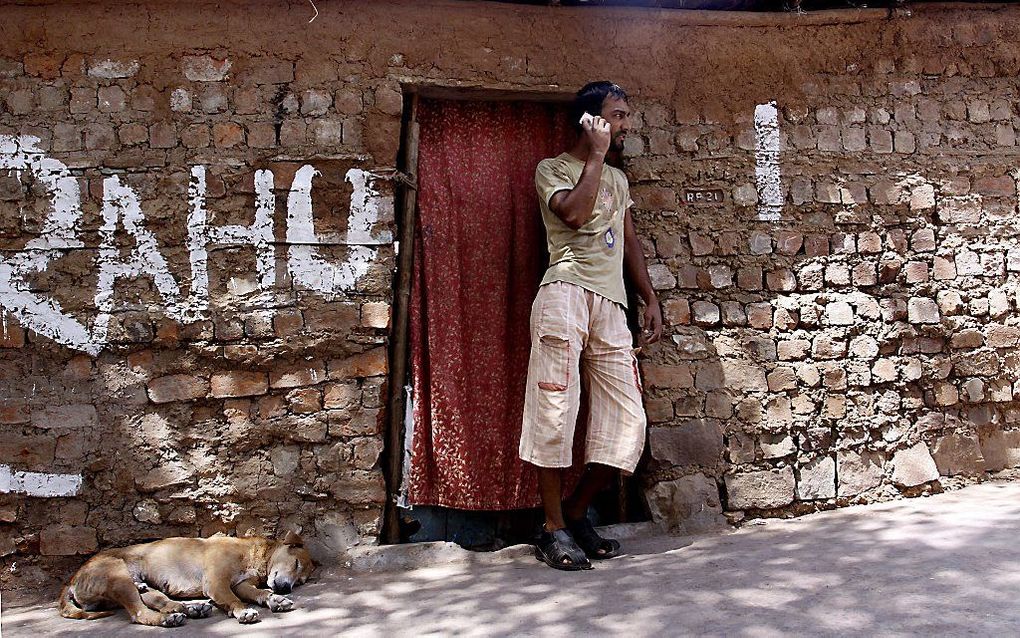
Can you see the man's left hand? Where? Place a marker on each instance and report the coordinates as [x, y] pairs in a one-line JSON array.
[[652, 330]]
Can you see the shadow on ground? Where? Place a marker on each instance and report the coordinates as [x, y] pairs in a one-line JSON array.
[[945, 565]]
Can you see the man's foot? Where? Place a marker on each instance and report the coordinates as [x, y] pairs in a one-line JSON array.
[[558, 550], [594, 546]]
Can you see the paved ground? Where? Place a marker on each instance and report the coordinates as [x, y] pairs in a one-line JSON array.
[[947, 565]]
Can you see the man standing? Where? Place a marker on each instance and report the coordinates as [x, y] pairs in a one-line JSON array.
[[579, 330]]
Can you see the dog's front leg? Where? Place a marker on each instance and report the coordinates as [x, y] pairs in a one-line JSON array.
[[217, 587], [248, 591]]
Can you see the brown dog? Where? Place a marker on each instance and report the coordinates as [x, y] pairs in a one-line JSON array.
[[143, 578]]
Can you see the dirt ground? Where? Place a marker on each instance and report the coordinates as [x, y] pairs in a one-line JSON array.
[[944, 565]]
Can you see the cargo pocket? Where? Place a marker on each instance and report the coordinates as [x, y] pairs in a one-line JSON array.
[[554, 363]]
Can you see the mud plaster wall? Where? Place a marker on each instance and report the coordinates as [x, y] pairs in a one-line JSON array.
[[842, 324]]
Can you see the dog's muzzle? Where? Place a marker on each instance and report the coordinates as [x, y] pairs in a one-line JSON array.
[[282, 588]]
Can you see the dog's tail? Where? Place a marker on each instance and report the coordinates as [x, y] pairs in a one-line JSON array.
[[70, 609]]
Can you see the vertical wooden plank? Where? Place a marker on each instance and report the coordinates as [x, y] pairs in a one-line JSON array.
[[401, 328]]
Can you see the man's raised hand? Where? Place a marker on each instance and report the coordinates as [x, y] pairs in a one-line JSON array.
[[598, 133]]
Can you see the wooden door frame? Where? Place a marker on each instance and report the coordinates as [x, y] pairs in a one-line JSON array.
[[407, 202]]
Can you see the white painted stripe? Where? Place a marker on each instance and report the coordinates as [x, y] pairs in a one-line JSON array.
[[405, 480], [261, 232], [198, 234], [766, 162], [38, 483]]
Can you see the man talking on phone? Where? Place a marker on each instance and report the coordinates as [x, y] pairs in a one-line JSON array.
[[579, 332]]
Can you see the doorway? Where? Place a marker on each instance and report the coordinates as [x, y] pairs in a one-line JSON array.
[[477, 257]]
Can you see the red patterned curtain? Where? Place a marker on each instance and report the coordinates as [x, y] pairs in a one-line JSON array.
[[479, 256]]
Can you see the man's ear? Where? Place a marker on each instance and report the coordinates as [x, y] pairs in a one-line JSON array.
[[291, 538]]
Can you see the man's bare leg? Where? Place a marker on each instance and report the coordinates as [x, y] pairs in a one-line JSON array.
[[550, 488], [555, 546], [596, 478], [575, 509]]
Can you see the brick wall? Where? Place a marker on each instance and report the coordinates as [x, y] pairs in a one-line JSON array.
[[843, 322]]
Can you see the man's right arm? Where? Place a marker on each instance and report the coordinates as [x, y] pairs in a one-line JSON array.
[[575, 206]]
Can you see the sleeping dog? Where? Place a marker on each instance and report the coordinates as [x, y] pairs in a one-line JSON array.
[[145, 579]]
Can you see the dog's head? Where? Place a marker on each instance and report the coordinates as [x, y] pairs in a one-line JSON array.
[[290, 564]]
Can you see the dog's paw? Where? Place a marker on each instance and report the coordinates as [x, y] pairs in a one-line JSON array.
[[173, 620], [276, 602], [247, 616], [198, 608]]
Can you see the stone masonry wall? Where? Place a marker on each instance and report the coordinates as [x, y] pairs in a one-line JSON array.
[[862, 344], [197, 257]]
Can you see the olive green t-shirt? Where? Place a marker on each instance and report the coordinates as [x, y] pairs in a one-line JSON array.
[[591, 256]]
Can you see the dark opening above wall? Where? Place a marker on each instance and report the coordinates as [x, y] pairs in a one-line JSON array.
[[748, 5]]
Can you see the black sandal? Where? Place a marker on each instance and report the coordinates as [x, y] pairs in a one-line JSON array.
[[558, 550], [588, 539]]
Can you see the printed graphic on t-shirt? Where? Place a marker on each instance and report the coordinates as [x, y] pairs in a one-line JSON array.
[[606, 202], [607, 212]]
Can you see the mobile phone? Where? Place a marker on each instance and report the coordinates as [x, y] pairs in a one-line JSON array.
[[586, 118]]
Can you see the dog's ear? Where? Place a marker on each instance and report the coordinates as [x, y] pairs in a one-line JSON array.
[[291, 538]]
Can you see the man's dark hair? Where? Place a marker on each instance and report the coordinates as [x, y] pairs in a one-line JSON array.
[[590, 99]]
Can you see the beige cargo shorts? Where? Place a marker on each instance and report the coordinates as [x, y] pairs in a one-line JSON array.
[[579, 336]]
